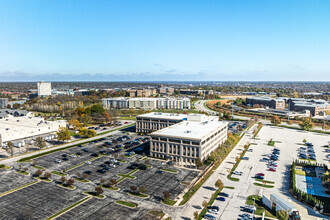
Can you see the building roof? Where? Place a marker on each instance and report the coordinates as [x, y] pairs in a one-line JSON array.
[[162, 115], [193, 130]]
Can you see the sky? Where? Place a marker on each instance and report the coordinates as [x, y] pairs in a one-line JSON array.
[[165, 40]]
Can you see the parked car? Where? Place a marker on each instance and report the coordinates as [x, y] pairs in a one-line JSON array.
[[94, 155], [223, 194], [237, 173], [245, 158], [272, 169], [101, 171], [213, 211], [265, 159], [88, 162], [58, 161], [221, 199], [65, 158], [85, 150], [88, 172], [72, 155], [260, 174], [208, 216], [259, 177], [159, 171]]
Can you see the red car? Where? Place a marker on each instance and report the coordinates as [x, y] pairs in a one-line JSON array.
[[272, 169], [260, 174], [126, 122]]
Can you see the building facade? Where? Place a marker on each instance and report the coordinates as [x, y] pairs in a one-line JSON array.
[[146, 103], [155, 121], [188, 140], [44, 89], [266, 102], [315, 106], [3, 102]]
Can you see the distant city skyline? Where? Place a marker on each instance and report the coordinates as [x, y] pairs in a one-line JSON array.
[[141, 40]]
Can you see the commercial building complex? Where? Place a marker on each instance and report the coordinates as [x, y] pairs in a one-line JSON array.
[[44, 89], [188, 140], [266, 102], [315, 106], [21, 127], [146, 103], [3, 102], [155, 121]]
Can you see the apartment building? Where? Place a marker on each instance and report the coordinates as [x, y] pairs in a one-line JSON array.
[[188, 140], [146, 103], [266, 102], [155, 121]]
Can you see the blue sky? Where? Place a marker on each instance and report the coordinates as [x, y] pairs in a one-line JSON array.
[[165, 40]]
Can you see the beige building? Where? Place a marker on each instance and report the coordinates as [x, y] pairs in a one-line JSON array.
[[188, 140], [155, 121]]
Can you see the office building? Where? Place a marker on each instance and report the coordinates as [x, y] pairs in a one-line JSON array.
[[44, 89], [115, 103], [315, 106], [188, 140], [3, 102], [265, 102], [155, 121]]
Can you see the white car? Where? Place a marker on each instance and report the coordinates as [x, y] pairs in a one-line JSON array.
[[112, 165], [72, 155], [58, 161], [237, 173], [213, 211], [88, 162], [250, 150]]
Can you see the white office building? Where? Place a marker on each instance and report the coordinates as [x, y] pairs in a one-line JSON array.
[[188, 140], [44, 89]]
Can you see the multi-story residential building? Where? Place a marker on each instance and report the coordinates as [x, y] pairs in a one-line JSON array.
[[44, 89], [3, 102], [188, 140], [155, 121], [115, 103], [266, 102], [142, 92], [146, 103]]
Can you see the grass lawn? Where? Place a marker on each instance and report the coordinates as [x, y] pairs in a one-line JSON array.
[[122, 161], [2, 166], [23, 172], [95, 195], [58, 173], [263, 185], [44, 179], [229, 187], [81, 180], [139, 194], [128, 118], [232, 178], [259, 205], [39, 167], [168, 202], [157, 213], [128, 204], [68, 187], [110, 187], [265, 181], [271, 143], [169, 170]]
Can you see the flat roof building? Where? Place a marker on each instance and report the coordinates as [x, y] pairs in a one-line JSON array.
[[266, 102], [44, 89], [188, 140], [3, 102], [155, 121]]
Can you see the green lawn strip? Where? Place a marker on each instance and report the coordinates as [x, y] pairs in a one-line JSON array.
[[68, 208], [300, 172], [122, 161], [169, 170], [106, 132], [82, 163], [110, 187], [263, 185], [194, 189], [232, 178], [18, 188], [157, 213], [127, 175], [39, 167], [210, 203], [168, 202], [229, 176], [66, 187], [58, 173], [259, 205], [229, 187], [22, 172], [128, 204], [29, 159], [3, 166], [133, 118], [265, 181], [81, 180], [94, 195], [139, 194], [271, 143]]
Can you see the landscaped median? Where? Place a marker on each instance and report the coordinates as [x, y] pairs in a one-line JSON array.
[[238, 160], [94, 194], [127, 204], [128, 175], [68, 208], [138, 194], [3, 166], [210, 203], [169, 170], [260, 207]]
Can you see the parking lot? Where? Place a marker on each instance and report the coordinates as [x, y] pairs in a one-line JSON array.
[[10, 180], [37, 201], [288, 141]]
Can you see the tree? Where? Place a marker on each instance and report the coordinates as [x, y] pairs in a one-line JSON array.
[[166, 194], [38, 173], [98, 190], [306, 124], [219, 184], [70, 182], [113, 181], [133, 188], [102, 180], [282, 214], [107, 116], [40, 143], [87, 133], [196, 215], [205, 204], [16, 106], [304, 140], [75, 124], [63, 134], [199, 162], [289, 122], [142, 189], [275, 120], [63, 179], [47, 175], [10, 148]]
